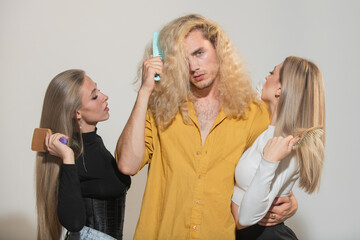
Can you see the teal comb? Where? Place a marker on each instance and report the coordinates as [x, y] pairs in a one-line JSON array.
[[156, 51]]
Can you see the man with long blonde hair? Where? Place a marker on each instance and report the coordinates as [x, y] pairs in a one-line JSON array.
[[196, 122]]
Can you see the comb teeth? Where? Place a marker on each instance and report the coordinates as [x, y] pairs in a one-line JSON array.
[[307, 135], [156, 51]]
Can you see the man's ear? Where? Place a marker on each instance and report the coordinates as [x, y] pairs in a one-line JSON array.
[[278, 93]]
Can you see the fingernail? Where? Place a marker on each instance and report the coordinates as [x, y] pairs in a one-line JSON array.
[[63, 140]]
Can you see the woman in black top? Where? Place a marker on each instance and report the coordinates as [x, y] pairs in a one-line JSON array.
[[86, 195]]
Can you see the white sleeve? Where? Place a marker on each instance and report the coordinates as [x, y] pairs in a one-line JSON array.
[[259, 88], [268, 182]]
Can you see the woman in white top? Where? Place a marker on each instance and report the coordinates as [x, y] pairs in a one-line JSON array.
[[294, 92]]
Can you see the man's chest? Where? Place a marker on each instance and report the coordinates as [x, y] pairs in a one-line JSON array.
[[206, 115]]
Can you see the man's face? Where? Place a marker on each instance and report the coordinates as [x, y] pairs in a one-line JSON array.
[[203, 62]]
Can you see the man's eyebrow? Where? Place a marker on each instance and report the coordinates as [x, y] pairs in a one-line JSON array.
[[197, 50]]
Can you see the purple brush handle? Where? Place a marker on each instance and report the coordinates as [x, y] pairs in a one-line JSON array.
[[63, 140]]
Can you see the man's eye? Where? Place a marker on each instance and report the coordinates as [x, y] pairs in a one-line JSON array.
[[271, 72], [199, 53]]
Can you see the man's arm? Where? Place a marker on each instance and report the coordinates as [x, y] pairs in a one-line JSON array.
[[130, 147], [282, 208]]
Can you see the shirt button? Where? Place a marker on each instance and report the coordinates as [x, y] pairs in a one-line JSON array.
[[198, 153], [194, 227], [197, 201], [200, 176]]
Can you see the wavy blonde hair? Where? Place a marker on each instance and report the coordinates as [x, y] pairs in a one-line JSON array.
[[302, 106], [62, 100], [171, 93]]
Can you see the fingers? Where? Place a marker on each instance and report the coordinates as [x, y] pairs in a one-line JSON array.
[[59, 149], [276, 213], [151, 67], [278, 148], [293, 141], [52, 142], [280, 200], [270, 219], [154, 64], [281, 207], [280, 210], [282, 141], [285, 207]]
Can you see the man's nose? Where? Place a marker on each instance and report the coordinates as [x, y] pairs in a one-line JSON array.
[[193, 64]]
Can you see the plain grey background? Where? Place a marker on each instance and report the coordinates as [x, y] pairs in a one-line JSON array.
[[39, 39]]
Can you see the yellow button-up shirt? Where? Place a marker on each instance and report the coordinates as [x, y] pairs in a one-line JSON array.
[[189, 185]]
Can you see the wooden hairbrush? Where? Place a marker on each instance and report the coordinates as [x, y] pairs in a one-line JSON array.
[[38, 140], [308, 134]]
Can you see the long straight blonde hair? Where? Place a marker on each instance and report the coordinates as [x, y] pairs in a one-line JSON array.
[[302, 106], [170, 95], [61, 101]]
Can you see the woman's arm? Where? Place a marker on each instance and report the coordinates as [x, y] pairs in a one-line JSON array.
[[281, 209], [71, 210], [268, 181]]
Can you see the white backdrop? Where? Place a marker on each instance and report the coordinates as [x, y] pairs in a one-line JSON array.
[[40, 38]]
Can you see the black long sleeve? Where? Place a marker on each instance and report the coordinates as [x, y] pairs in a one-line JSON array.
[[95, 175], [71, 210]]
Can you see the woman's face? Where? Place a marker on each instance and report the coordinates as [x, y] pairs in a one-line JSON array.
[[272, 88], [94, 106]]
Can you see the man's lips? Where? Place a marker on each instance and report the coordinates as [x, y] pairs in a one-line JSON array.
[[199, 77]]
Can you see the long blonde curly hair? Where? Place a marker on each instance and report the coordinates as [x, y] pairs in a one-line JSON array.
[[170, 95]]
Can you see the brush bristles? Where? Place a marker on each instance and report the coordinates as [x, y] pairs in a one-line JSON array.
[[308, 135]]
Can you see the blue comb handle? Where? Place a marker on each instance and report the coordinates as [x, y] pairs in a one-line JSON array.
[[156, 51]]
